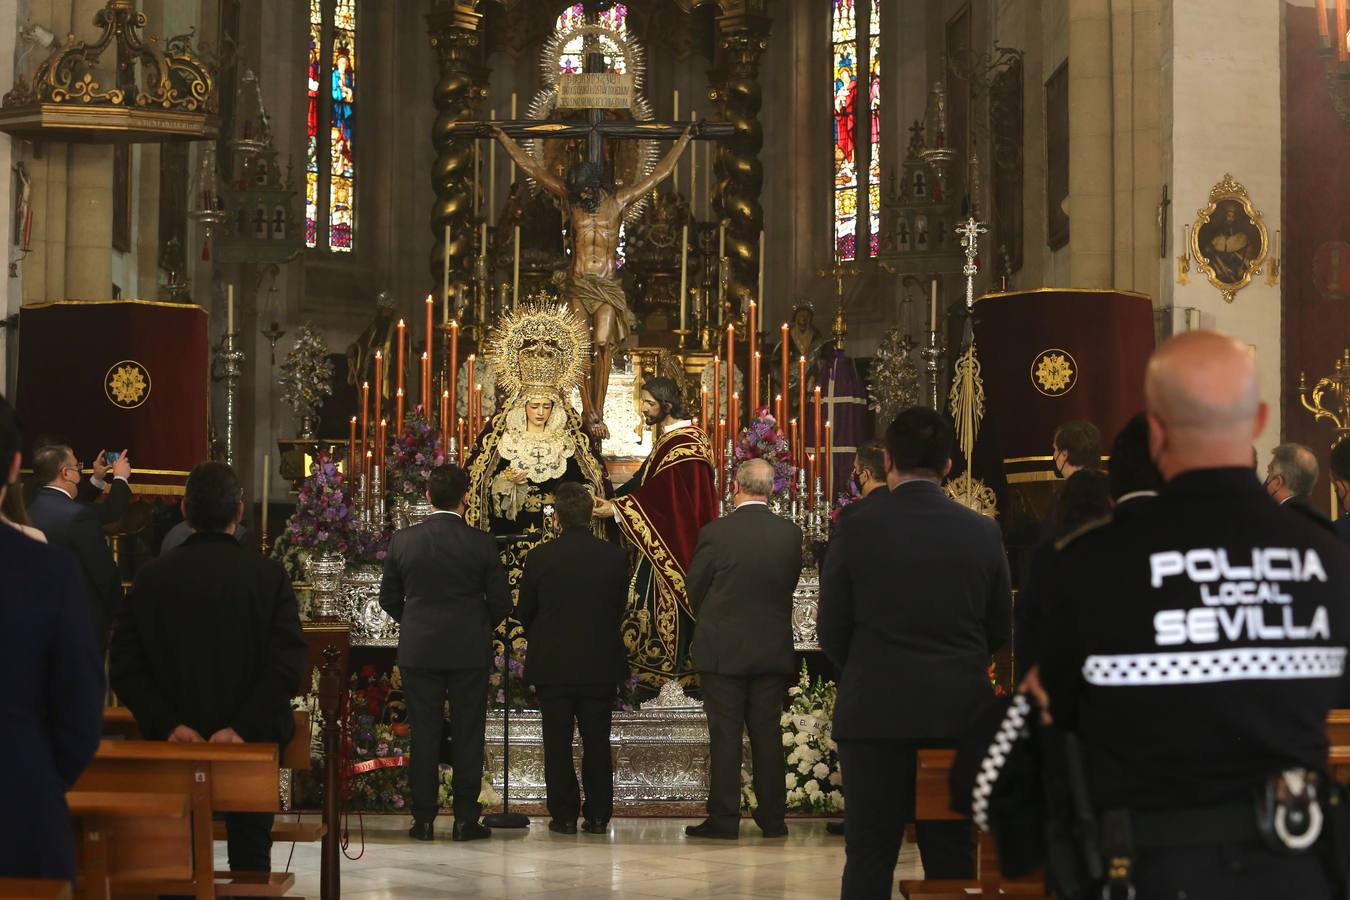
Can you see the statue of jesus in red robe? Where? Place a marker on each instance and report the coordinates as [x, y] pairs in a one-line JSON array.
[[660, 511]]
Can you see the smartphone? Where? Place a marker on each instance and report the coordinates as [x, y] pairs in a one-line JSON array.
[[110, 457]]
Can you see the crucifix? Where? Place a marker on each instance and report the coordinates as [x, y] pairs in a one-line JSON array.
[[839, 273], [593, 205], [1165, 202]]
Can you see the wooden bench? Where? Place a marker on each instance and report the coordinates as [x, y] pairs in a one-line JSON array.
[[35, 888], [127, 837], [208, 778]]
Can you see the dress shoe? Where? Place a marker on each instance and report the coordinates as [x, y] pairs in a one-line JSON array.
[[835, 828], [775, 831], [595, 826], [470, 831], [707, 829], [422, 831], [561, 826]]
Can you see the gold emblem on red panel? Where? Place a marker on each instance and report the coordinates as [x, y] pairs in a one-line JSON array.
[[1054, 372], [127, 384]]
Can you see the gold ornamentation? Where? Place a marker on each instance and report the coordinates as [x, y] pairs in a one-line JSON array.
[[1054, 372], [541, 348], [173, 95], [127, 384], [974, 494], [967, 406], [1229, 240]]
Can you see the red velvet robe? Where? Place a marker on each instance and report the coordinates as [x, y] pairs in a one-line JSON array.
[[660, 512]]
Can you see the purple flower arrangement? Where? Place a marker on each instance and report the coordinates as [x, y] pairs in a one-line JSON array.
[[326, 519], [415, 453], [763, 439]]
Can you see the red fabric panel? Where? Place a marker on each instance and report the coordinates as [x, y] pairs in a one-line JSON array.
[[66, 352], [1109, 335], [1315, 271]]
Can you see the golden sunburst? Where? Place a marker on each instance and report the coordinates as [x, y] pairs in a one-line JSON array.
[[127, 384], [1054, 372]]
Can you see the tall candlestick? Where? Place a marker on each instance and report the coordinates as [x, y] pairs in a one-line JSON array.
[[382, 443], [731, 363], [778, 411], [229, 309], [266, 489], [369, 470], [445, 277], [754, 384], [684, 277], [445, 422], [693, 172], [829, 464], [349, 464], [752, 325], [431, 344], [379, 383], [492, 176], [795, 448], [761, 266], [817, 410], [735, 417], [479, 417], [459, 428], [722, 240], [675, 117], [468, 392], [703, 406], [398, 378], [513, 116], [811, 475], [426, 383], [365, 417], [717, 386], [482, 240], [932, 308], [515, 272], [801, 399], [453, 387], [721, 449], [783, 337], [398, 412]]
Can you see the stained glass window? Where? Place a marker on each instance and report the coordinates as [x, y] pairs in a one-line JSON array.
[[332, 164], [845, 44], [845, 53], [574, 54], [313, 67]]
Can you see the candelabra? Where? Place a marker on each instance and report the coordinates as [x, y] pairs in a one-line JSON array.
[[1337, 385], [452, 452], [229, 368], [932, 358], [728, 473]]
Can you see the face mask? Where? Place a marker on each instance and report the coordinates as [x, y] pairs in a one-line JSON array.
[[856, 481], [1059, 470]]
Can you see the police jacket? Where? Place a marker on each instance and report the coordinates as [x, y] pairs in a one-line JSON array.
[[1197, 648]]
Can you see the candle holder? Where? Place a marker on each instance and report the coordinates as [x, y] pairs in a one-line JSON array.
[[452, 452], [228, 366], [932, 357]]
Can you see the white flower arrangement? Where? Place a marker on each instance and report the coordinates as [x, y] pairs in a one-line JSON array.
[[812, 776]]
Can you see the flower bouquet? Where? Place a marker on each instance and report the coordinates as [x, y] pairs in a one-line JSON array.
[[763, 439], [812, 778], [306, 377], [415, 453], [326, 521]]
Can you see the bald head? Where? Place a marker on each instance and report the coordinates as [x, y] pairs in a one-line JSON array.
[[1203, 405], [754, 480]]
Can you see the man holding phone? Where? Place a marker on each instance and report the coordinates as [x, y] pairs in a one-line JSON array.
[[118, 487]]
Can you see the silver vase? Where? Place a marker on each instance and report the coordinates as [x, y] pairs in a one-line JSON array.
[[323, 571], [359, 595]]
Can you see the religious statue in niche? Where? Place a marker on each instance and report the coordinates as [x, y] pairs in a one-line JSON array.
[[1229, 240], [921, 233]]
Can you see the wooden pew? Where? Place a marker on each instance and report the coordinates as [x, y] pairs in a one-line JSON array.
[[128, 837], [213, 778], [35, 888]]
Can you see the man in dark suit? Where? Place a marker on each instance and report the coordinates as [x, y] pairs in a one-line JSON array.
[[76, 527], [117, 488], [572, 597], [208, 646], [1135, 480], [914, 652], [445, 586], [1340, 481], [53, 722], [1291, 476], [740, 584]]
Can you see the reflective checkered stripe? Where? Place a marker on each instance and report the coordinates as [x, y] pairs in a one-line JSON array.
[[1213, 666], [1013, 727]]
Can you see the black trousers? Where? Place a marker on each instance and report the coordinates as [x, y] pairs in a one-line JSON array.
[[1229, 872], [590, 707], [879, 776], [249, 841], [426, 692], [736, 704]]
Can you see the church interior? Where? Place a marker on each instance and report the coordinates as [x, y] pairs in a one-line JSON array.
[[306, 238]]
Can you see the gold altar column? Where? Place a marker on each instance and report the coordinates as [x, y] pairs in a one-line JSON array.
[[743, 36]]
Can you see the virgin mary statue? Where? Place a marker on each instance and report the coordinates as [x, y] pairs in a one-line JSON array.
[[536, 442]]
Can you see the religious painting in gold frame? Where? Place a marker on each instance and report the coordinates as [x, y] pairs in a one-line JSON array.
[[1229, 240]]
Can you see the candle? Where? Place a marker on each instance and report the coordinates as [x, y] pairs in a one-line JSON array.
[[398, 412], [817, 444], [703, 406], [735, 417], [365, 416], [795, 447], [801, 400], [431, 342], [426, 383], [468, 392], [932, 308], [382, 444], [459, 428], [402, 342], [752, 326], [379, 383], [515, 272], [492, 176], [369, 468], [479, 420], [482, 240], [445, 277], [761, 266], [1342, 52], [684, 277], [829, 463], [453, 388], [229, 309], [349, 464], [1322, 27], [267, 484], [754, 385], [445, 422], [512, 179], [675, 183], [731, 363], [722, 240], [778, 410], [717, 386], [783, 338], [811, 475], [721, 447], [693, 172]]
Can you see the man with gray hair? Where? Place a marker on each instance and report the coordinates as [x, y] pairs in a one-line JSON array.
[[740, 585], [1291, 476]]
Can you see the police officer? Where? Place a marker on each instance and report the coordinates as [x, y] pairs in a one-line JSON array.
[[1196, 648]]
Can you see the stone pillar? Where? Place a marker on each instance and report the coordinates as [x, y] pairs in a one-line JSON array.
[[1205, 135], [743, 36], [454, 29], [88, 257], [1091, 179]]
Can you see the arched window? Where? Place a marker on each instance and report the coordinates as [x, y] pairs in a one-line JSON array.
[[330, 169], [856, 144]]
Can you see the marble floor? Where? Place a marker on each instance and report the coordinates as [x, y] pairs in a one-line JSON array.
[[641, 858]]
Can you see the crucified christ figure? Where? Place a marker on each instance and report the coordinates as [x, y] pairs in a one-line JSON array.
[[594, 211]]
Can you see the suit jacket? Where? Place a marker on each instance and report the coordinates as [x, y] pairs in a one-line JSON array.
[[110, 510], [1300, 504], [572, 598], [445, 586], [76, 527], [740, 584], [857, 506], [1342, 526], [210, 638], [914, 600], [182, 531], [53, 711]]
